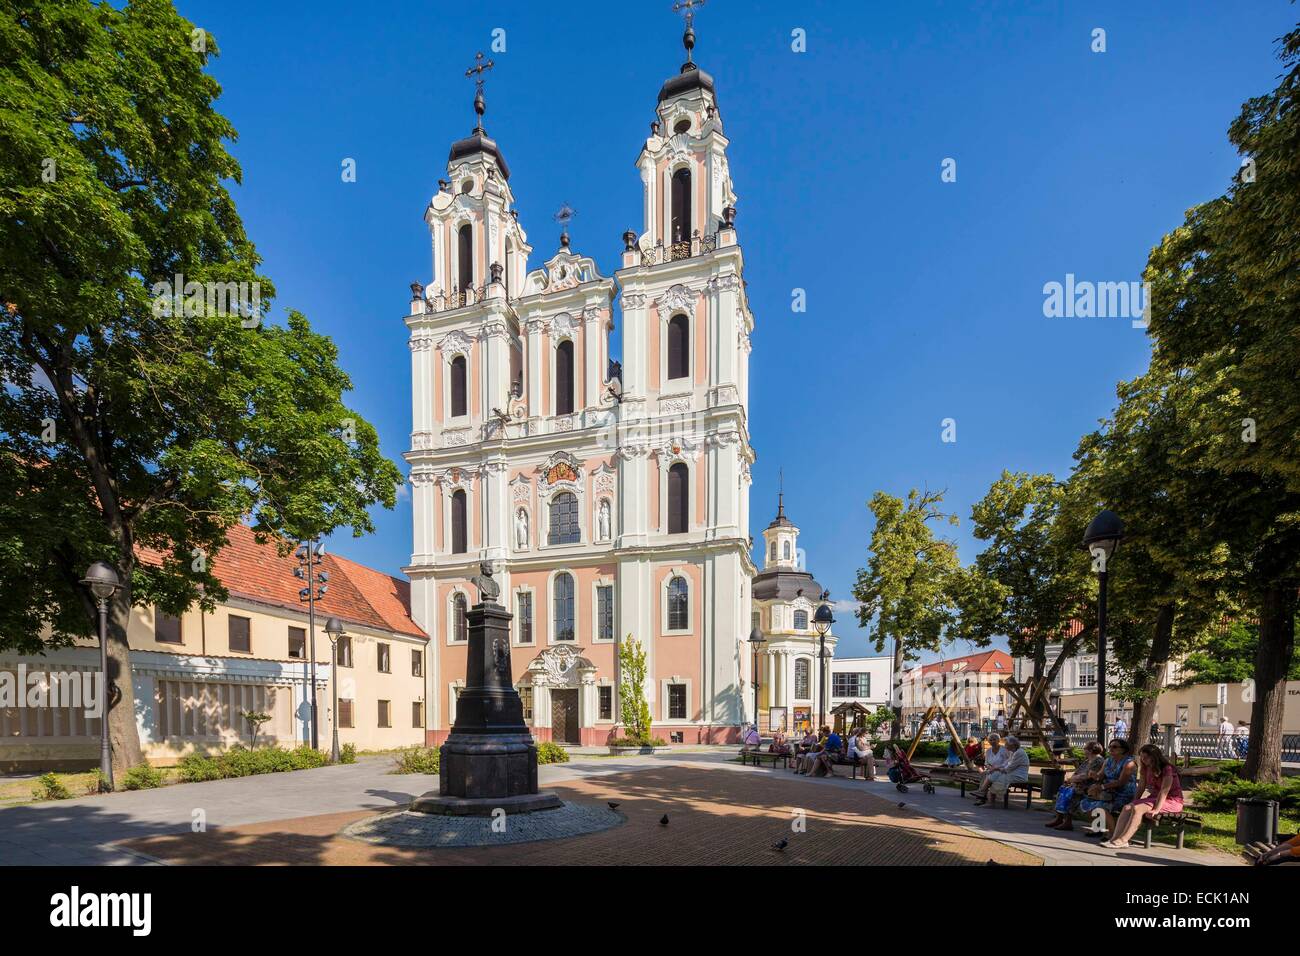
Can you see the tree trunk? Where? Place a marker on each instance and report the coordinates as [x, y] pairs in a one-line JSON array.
[[1144, 707], [896, 696], [1272, 661], [123, 736]]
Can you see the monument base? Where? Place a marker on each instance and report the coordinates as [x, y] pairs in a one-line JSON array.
[[485, 806]]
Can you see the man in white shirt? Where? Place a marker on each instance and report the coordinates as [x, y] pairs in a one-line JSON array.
[[860, 749], [1121, 727], [1225, 737], [1012, 768]]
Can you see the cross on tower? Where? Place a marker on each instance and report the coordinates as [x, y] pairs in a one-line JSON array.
[[476, 71], [687, 9]]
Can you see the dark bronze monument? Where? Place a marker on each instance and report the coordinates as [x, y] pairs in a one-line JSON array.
[[489, 761]]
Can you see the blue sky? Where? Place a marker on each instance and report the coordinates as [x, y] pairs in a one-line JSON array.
[[924, 298]]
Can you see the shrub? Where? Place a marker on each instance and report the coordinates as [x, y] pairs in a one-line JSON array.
[[49, 787], [638, 742], [418, 760], [239, 761], [1223, 794], [551, 752], [1040, 755], [143, 777], [98, 783], [348, 753]]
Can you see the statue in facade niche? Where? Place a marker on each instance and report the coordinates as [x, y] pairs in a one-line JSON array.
[[521, 529], [602, 520]]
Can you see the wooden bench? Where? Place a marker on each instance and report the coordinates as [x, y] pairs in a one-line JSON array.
[[759, 755], [1176, 823], [1027, 787]]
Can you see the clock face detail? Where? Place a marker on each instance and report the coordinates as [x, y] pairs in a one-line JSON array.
[[561, 471]]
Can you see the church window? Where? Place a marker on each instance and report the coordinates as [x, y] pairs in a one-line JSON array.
[[772, 552], [460, 618], [564, 520], [679, 499], [459, 390], [605, 696], [459, 537], [524, 617], [681, 206], [678, 604], [801, 620], [605, 612], [563, 600], [676, 701], [564, 378], [785, 550], [801, 681], [465, 256], [679, 347]]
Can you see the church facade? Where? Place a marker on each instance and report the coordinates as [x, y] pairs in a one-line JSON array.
[[612, 498]]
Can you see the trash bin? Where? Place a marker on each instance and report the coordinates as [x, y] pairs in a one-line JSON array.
[[1256, 820], [1053, 777]]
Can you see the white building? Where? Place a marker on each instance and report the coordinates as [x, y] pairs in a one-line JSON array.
[[613, 501], [864, 680]]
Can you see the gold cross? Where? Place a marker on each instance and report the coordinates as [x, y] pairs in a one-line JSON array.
[[478, 69]]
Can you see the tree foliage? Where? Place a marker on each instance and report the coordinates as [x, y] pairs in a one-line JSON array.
[[132, 426]]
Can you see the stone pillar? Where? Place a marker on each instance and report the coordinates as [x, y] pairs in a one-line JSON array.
[[489, 761]]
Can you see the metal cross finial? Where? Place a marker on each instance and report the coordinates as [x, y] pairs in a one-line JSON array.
[[687, 9], [564, 215], [476, 71]]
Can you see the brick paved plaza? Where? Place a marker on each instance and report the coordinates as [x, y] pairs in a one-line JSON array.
[[715, 817]]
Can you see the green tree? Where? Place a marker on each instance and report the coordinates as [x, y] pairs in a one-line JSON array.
[[907, 593], [1223, 315], [131, 424], [631, 690], [1227, 659], [1034, 569]]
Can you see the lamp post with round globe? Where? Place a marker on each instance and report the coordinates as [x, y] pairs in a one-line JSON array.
[[103, 583]]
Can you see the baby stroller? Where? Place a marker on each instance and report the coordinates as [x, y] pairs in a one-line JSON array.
[[902, 773]]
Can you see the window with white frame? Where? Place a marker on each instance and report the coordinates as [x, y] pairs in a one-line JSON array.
[[1087, 673], [676, 701], [605, 612], [524, 617], [460, 618], [564, 527], [526, 698], [801, 620], [605, 702], [562, 600], [679, 618], [851, 685], [802, 678]]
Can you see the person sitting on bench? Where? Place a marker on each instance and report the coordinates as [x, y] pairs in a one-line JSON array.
[[1014, 769], [1283, 852], [824, 762], [1118, 784], [974, 751], [1076, 786], [1163, 794], [779, 745], [861, 752], [751, 739]]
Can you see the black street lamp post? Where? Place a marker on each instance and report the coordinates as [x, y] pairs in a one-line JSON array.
[[1101, 539], [334, 628], [103, 583], [822, 621], [756, 641]]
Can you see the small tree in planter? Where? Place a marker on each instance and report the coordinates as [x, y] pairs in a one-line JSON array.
[[255, 721], [631, 691]]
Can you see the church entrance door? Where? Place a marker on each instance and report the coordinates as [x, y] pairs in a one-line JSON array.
[[564, 716]]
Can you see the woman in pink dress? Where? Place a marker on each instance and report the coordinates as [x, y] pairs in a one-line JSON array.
[[1161, 792]]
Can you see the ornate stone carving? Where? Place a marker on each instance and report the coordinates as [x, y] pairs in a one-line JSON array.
[[682, 403], [559, 666], [455, 438], [560, 470], [563, 324], [522, 490], [562, 423], [678, 298], [421, 342], [633, 300], [521, 529], [455, 341]]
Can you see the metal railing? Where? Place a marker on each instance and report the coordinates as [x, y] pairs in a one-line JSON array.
[[697, 245]]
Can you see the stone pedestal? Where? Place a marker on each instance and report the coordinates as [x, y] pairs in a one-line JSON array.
[[489, 761]]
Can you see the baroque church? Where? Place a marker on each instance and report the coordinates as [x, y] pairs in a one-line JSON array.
[[611, 496]]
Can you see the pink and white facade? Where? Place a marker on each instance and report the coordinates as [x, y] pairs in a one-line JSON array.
[[613, 502]]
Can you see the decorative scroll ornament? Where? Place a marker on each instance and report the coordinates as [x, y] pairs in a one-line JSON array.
[[561, 469], [455, 341], [563, 324], [677, 298], [558, 665]]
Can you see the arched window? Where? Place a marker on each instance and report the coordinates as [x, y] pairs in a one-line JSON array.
[[564, 378], [801, 681], [801, 620], [563, 602], [679, 347], [679, 618], [679, 499], [459, 538], [564, 520], [771, 552], [465, 256], [459, 389], [460, 618], [785, 550], [681, 209]]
